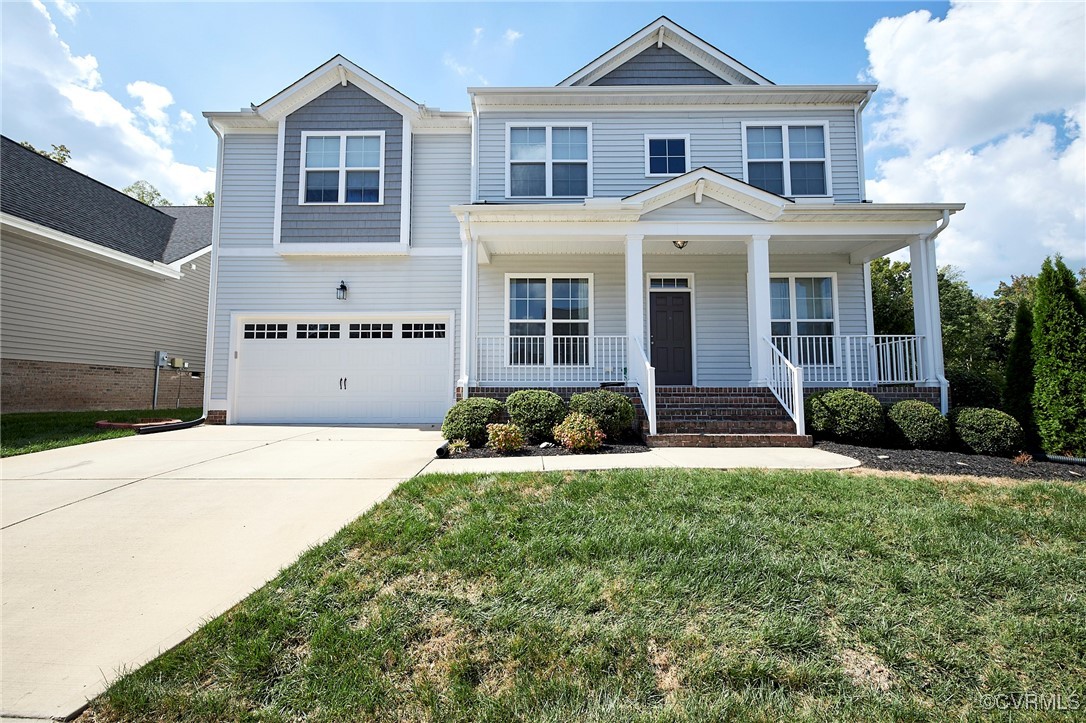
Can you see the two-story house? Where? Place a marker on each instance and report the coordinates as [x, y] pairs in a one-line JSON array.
[[665, 220]]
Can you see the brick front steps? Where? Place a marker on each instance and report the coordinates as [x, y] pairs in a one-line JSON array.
[[721, 417]]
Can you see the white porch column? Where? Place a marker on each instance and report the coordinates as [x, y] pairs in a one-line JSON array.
[[758, 307], [635, 297], [926, 315], [469, 275]]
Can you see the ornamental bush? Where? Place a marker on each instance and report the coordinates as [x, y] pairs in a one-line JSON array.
[[467, 419], [918, 425], [579, 433], [987, 431], [1059, 355], [970, 388], [847, 415], [613, 411], [504, 437], [536, 412]]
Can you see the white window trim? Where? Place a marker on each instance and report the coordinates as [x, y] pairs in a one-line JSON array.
[[549, 321], [693, 315], [668, 137], [784, 126], [549, 162], [793, 321], [342, 169]]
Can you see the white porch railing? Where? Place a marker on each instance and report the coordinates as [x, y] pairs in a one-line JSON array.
[[643, 375], [550, 360], [854, 359], [786, 383]]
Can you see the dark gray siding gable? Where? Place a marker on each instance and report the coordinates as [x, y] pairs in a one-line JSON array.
[[343, 108], [660, 66]]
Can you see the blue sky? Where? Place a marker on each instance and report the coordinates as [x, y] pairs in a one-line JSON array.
[[123, 84]]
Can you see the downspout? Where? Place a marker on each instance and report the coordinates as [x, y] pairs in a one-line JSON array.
[[856, 113], [467, 261], [213, 273], [474, 150]]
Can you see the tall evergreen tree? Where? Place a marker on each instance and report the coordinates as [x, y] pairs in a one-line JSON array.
[[1059, 352], [1019, 383]]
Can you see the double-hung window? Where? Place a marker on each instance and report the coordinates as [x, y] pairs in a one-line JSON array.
[[342, 168], [549, 320], [667, 155], [803, 318], [549, 161], [789, 160]]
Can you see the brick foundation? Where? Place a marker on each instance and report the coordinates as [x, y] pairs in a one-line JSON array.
[[40, 386], [891, 394], [216, 416]]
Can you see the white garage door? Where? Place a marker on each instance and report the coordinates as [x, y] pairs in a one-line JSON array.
[[344, 371]]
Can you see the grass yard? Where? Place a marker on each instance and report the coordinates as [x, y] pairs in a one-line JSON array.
[[36, 431], [654, 596]]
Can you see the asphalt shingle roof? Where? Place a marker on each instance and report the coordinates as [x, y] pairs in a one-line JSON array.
[[50, 194]]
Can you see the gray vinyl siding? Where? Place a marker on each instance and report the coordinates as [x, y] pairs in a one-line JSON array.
[[618, 145], [61, 306], [247, 199], [851, 298], [662, 66], [441, 177], [267, 285], [343, 108]]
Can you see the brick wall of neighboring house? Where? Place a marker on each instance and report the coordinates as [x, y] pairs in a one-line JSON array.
[[890, 394], [40, 386]]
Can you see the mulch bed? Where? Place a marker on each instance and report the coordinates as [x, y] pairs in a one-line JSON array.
[[624, 447], [923, 461]]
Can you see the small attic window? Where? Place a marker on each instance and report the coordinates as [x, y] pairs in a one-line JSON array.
[[667, 155]]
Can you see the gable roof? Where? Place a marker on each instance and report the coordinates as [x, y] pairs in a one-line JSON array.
[[191, 232], [714, 184], [665, 32], [46, 193]]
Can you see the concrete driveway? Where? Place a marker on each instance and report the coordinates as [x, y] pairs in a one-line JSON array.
[[116, 550]]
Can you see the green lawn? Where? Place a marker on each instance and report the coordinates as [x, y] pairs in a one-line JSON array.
[[653, 596], [35, 431]]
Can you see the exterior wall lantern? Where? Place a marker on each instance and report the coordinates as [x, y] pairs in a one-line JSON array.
[[341, 291], [679, 243]]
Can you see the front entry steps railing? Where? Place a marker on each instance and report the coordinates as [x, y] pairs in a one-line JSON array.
[[722, 417]]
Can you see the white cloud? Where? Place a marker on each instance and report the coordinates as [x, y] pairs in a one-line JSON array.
[[464, 71], [67, 9], [476, 36], [511, 36], [110, 141], [986, 107]]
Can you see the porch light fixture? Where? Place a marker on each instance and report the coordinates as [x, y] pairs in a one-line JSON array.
[[341, 291], [679, 243]]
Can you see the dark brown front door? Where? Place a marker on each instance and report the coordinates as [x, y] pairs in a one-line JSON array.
[[669, 319]]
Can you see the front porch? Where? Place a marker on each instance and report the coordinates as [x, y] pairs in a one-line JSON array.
[[703, 287]]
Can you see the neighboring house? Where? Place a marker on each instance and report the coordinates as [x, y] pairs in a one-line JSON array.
[[94, 284], [665, 220]]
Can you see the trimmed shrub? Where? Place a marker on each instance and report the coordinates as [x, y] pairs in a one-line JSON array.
[[504, 437], [579, 433], [613, 411], [918, 425], [1059, 355], [467, 419], [847, 415], [536, 412], [972, 389], [1018, 373], [987, 431]]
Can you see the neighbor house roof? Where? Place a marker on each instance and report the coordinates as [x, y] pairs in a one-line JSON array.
[[49, 194]]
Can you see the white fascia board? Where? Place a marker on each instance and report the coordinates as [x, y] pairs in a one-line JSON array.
[[190, 258], [870, 212], [336, 71], [648, 35], [343, 249], [725, 189], [88, 248], [245, 121]]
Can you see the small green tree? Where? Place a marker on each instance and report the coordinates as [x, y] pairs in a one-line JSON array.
[[207, 199], [1018, 373], [144, 192], [891, 297], [60, 153], [1059, 353]]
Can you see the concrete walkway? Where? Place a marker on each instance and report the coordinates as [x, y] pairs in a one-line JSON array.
[[117, 550], [689, 457]]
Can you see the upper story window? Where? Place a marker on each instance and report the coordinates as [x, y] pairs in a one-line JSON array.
[[786, 159], [342, 167], [667, 155], [548, 161]]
